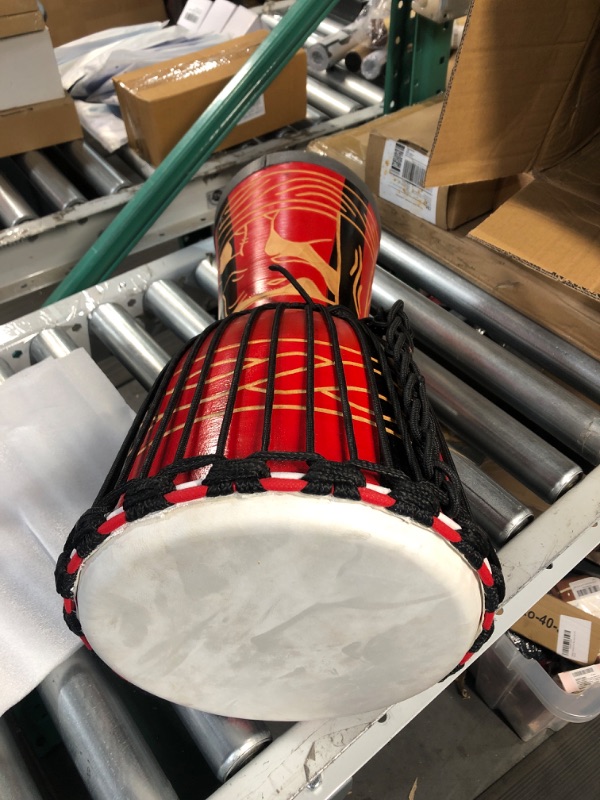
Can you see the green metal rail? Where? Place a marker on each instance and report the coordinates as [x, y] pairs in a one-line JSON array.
[[195, 148]]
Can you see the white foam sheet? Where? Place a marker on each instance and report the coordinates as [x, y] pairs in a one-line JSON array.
[[61, 425]]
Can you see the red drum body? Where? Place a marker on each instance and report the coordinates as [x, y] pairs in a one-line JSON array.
[[285, 516], [320, 225]]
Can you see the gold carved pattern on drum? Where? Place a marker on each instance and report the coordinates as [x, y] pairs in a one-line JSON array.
[[311, 194]]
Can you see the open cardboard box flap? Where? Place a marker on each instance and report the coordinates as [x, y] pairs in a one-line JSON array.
[[525, 97]]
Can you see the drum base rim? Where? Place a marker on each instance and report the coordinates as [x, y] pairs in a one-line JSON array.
[[372, 551]]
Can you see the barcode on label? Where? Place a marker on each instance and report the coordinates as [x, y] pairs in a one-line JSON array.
[[413, 173], [192, 17], [586, 677], [582, 591], [403, 166], [398, 157], [566, 643]]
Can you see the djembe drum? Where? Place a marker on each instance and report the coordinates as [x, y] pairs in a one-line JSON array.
[[283, 535]]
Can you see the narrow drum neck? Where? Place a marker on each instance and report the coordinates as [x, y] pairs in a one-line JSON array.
[[313, 221]]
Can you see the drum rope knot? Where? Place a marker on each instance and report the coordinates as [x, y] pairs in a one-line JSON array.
[[241, 474], [146, 495]]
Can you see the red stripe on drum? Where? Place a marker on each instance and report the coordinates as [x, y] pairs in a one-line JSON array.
[[112, 524], [485, 575], [488, 620], [446, 531], [187, 494], [283, 484], [375, 498], [74, 563]]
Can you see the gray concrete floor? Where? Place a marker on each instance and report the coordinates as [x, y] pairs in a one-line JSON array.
[[454, 750]]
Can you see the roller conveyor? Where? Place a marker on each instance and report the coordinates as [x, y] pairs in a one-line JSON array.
[[167, 293], [537, 548]]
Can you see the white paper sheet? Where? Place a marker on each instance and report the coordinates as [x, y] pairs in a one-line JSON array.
[[61, 426]]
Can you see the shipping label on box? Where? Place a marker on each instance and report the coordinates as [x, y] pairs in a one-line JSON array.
[[581, 592], [193, 14], [562, 628], [401, 180]]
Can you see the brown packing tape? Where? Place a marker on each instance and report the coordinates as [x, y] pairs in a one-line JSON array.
[[158, 110], [18, 24], [176, 75]]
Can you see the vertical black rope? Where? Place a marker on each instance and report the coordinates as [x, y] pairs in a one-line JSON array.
[[270, 390], [141, 425], [341, 379], [385, 451], [171, 406], [310, 379], [199, 390], [235, 382]]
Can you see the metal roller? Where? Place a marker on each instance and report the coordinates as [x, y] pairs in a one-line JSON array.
[[101, 175], [13, 208], [15, 781], [332, 103], [538, 465], [51, 343], [373, 64], [501, 321], [166, 300], [313, 114], [52, 184], [352, 86], [136, 162], [571, 420], [226, 743], [129, 342], [5, 371], [207, 276], [107, 748], [494, 509]]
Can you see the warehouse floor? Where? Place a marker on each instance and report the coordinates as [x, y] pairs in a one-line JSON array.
[[457, 749]]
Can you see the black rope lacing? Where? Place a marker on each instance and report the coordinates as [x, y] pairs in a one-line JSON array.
[[415, 463]]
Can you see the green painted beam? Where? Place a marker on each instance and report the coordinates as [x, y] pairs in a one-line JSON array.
[[186, 158]]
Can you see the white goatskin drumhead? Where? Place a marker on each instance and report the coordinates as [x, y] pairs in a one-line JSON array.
[[279, 606]]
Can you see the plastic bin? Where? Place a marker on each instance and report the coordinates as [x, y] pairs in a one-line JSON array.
[[526, 695]]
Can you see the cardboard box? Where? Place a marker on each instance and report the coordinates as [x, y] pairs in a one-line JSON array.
[[70, 20], [159, 104], [397, 159], [17, 24], [524, 97], [562, 628], [29, 71], [9, 7], [37, 126], [349, 147]]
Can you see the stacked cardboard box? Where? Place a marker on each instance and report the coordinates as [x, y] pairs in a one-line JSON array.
[[34, 111], [69, 19]]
